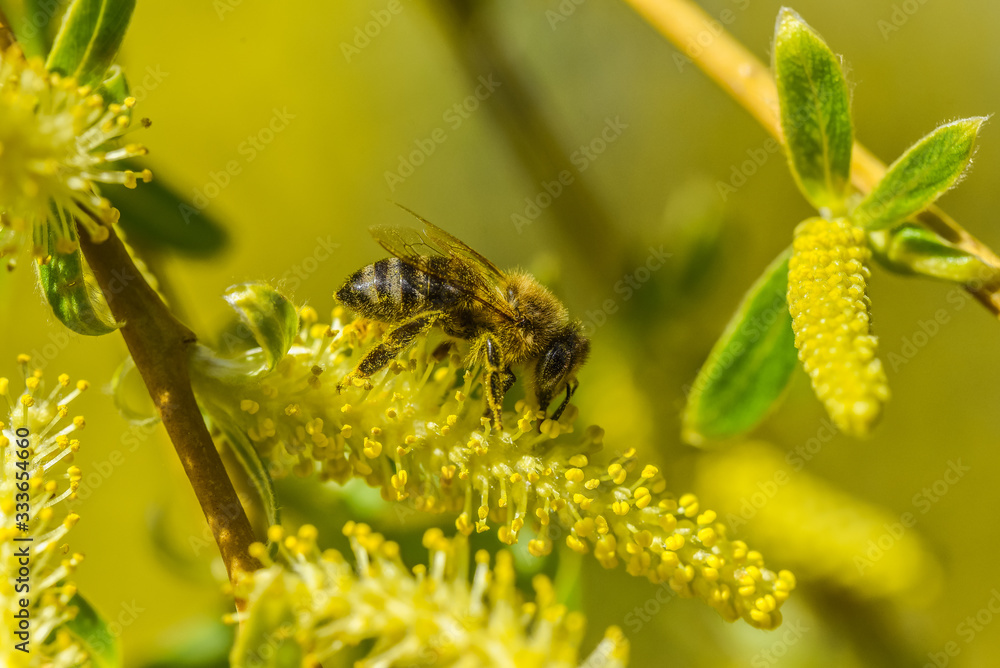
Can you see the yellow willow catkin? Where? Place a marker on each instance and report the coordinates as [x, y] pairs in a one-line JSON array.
[[825, 534], [419, 435], [314, 608], [827, 280], [37, 478], [59, 142]]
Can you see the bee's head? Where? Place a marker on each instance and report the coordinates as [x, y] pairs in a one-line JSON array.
[[558, 363]]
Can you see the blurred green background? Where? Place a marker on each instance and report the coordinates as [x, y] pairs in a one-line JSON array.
[[211, 76]]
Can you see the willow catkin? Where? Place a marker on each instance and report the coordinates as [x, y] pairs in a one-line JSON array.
[[418, 434], [318, 608], [827, 299]]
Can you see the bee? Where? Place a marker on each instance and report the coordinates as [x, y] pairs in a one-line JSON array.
[[509, 318]]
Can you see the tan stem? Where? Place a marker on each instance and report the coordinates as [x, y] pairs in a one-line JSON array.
[[749, 82], [160, 346]]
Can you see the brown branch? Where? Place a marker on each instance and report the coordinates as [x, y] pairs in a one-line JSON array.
[[160, 345], [749, 82]]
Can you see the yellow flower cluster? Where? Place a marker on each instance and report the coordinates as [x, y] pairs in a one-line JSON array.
[[54, 149], [311, 607], [830, 315], [822, 532], [35, 440], [419, 434]]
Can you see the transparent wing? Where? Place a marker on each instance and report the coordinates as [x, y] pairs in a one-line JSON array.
[[464, 268]]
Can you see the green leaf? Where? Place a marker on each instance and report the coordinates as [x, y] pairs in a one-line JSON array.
[[268, 315], [114, 88], [912, 249], [267, 636], [815, 111], [255, 469], [156, 215], [74, 295], [749, 366], [91, 630], [921, 175], [89, 38]]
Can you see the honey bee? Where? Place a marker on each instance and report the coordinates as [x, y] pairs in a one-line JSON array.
[[510, 319]]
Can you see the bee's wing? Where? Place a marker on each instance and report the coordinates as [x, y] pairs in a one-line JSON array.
[[469, 272]]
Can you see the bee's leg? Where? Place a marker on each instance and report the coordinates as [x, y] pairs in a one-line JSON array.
[[498, 378], [508, 380], [391, 344], [570, 389]]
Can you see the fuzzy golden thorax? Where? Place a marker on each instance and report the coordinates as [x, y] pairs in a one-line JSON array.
[[541, 316]]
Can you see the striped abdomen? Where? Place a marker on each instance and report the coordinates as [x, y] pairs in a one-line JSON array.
[[392, 290]]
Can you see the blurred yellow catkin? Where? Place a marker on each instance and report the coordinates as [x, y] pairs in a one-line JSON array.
[[824, 534]]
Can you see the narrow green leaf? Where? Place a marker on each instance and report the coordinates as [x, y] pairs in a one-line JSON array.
[[74, 295], [268, 315], [912, 249], [255, 469], [749, 366], [267, 638], [921, 175], [89, 38], [156, 215], [91, 630], [815, 111]]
